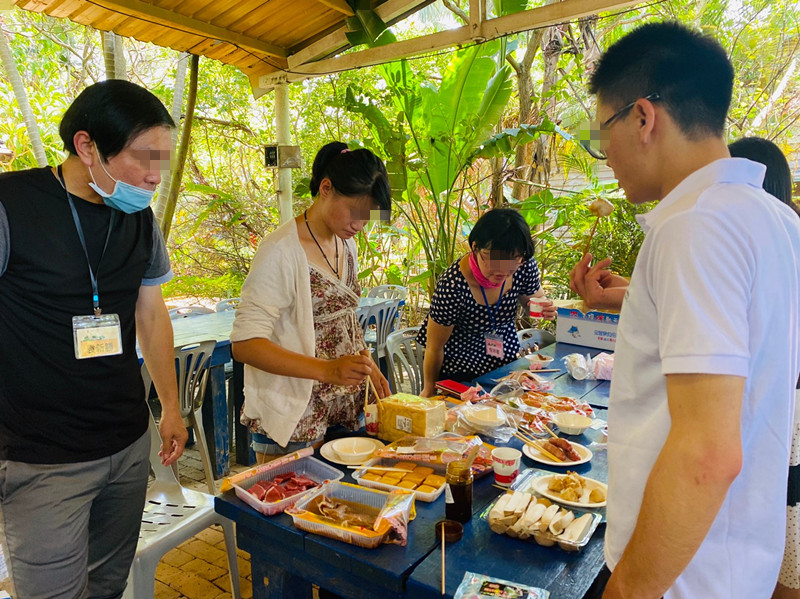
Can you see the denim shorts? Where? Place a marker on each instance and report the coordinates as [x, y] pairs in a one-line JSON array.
[[263, 444]]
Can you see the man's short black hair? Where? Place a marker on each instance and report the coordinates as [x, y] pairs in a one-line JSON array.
[[112, 112], [690, 72]]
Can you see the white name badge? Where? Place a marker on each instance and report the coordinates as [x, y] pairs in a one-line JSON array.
[[494, 345], [97, 336]]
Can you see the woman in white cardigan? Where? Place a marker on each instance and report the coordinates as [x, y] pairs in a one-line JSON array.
[[296, 329]]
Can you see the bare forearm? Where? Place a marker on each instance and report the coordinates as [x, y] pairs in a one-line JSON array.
[[432, 366], [154, 331], [270, 357], [681, 500]]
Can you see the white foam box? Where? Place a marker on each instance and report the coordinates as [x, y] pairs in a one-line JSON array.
[[592, 328]]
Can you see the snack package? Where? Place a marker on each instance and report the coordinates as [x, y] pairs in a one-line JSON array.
[[396, 513], [402, 414], [480, 586], [443, 449]]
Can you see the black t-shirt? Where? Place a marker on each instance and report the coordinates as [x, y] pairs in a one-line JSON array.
[[454, 305], [55, 408]]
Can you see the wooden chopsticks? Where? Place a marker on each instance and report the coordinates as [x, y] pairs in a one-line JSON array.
[[536, 445]]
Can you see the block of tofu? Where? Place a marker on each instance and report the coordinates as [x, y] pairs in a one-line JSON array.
[[434, 480], [390, 480], [423, 470], [414, 477], [404, 414], [426, 489], [371, 476], [407, 484], [405, 466]]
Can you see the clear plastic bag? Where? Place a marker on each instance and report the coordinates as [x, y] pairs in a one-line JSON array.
[[396, 513], [581, 367]]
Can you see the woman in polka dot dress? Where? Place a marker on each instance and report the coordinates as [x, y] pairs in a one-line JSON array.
[[470, 327]]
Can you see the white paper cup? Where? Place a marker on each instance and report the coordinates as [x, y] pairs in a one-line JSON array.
[[536, 305], [505, 462]]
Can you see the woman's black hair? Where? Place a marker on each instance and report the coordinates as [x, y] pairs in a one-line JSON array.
[[112, 112], [778, 179], [503, 230], [353, 173]]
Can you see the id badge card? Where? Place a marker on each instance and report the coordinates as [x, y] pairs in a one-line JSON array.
[[494, 345], [97, 336]]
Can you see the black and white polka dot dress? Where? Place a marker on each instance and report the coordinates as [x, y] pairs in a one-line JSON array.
[[790, 569], [465, 354]]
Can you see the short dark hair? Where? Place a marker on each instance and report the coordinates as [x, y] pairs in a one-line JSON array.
[[352, 173], [778, 179], [112, 112], [503, 230], [689, 71]]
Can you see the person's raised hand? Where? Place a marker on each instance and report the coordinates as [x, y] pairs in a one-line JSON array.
[[347, 370], [599, 287], [549, 311]]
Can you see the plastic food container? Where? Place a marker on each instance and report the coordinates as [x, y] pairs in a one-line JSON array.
[[313, 468], [438, 469], [363, 537], [571, 423], [548, 539]]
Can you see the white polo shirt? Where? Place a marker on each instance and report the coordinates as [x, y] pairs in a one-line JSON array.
[[716, 290]]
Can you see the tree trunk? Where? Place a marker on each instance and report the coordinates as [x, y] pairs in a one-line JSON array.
[[183, 150], [177, 104], [108, 53], [7, 58], [523, 159], [114, 55]]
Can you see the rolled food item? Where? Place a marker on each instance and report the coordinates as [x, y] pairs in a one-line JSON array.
[[561, 521], [575, 529]]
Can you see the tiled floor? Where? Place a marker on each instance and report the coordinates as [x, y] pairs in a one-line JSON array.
[[197, 569]]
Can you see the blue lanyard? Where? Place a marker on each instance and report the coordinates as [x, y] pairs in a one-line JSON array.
[[92, 277], [496, 309]]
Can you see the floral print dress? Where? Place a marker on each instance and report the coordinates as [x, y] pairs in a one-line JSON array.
[[337, 333]]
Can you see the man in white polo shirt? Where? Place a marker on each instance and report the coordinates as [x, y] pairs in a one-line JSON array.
[[708, 349]]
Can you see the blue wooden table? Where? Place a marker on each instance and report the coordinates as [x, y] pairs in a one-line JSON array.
[[595, 393], [286, 561]]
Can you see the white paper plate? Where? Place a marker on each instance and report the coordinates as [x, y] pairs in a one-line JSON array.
[[540, 483], [326, 451], [537, 456]]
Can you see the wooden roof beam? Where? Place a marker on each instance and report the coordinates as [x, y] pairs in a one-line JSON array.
[[339, 6], [174, 20], [542, 16], [335, 41]]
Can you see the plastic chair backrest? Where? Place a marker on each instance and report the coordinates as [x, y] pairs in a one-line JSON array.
[[383, 316], [404, 354], [189, 312], [530, 337], [227, 304], [389, 292], [191, 364]]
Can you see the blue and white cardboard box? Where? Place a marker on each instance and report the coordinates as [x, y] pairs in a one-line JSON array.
[[592, 328]]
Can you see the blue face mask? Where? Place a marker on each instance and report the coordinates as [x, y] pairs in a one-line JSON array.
[[126, 198]]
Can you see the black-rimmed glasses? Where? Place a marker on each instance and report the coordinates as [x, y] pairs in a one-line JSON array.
[[593, 136]]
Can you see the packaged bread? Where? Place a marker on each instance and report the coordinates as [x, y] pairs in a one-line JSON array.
[[404, 414]]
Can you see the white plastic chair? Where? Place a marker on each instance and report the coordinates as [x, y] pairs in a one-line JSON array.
[[191, 364], [383, 317], [227, 304], [528, 338], [405, 356], [389, 292], [172, 515], [189, 312]]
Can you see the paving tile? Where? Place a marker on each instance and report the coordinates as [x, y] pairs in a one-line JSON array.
[[176, 557], [164, 591], [203, 569]]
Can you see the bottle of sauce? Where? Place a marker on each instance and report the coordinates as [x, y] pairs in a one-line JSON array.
[[458, 492]]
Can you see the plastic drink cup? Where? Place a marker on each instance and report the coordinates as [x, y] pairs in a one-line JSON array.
[[536, 305], [505, 462], [371, 419], [577, 366]]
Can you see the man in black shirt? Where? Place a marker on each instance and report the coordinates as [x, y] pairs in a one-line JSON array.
[[81, 267]]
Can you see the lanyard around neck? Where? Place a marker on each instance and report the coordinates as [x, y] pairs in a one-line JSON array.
[[92, 276], [496, 308]]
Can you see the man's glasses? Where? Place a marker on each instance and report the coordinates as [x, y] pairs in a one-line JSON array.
[[594, 136]]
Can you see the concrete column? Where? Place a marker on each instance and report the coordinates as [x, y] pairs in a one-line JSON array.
[[284, 188]]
